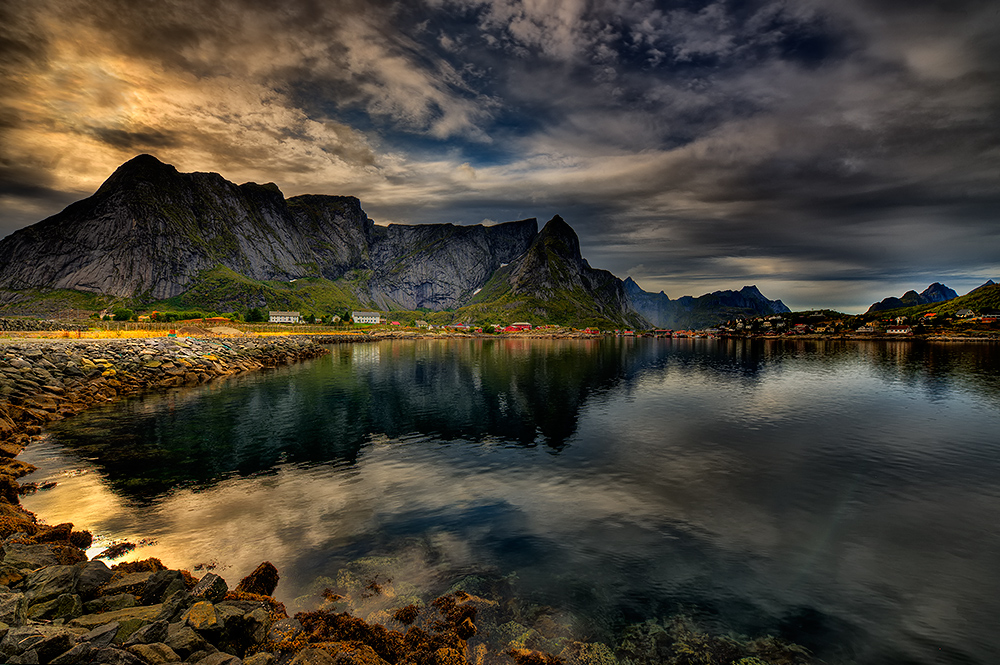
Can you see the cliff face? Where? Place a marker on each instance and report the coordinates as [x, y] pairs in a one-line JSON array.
[[707, 310], [554, 282], [149, 230]]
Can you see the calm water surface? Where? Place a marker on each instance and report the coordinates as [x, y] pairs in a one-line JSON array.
[[844, 496]]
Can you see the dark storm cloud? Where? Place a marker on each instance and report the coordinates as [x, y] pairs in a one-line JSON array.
[[814, 146]]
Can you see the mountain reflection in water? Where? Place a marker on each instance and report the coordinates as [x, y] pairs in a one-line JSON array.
[[842, 495]]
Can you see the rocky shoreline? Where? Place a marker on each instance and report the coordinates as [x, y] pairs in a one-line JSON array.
[[58, 607]]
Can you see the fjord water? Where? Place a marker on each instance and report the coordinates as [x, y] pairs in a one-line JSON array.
[[842, 495]]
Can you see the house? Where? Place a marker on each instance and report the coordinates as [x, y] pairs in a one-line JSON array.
[[965, 314], [284, 317], [367, 318], [899, 330], [866, 329], [522, 326], [421, 324]]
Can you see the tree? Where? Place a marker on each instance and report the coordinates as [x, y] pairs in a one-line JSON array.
[[122, 314], [310, 318], [255, 315]]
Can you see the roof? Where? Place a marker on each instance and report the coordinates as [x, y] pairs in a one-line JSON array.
[[283, 313]]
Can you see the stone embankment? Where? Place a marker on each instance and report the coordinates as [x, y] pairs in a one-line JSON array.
[[27, 325], [45, 380], [58, 607]]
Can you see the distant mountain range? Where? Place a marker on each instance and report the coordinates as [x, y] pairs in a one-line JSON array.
[[151, 235], [708, 310], [936, 292]]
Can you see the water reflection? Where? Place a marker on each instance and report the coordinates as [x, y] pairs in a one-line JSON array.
[[841, 494]]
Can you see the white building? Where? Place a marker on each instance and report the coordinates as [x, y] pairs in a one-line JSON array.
[[366, 317], [284, 317]]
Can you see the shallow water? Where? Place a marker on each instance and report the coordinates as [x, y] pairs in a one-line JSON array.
[[842, 495]]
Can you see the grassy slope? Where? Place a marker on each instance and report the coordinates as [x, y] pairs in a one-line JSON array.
[[223, 290]]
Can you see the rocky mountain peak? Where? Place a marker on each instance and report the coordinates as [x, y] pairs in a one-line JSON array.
[[139, 169]]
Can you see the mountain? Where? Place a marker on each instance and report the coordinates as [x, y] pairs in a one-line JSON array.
[[151, 235], [553, 282], [150, 232], [702, 312], [934, 293]]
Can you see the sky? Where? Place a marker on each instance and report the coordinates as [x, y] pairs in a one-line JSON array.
[[831, 152]]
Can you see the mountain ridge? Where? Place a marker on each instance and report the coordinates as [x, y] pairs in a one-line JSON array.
[[152, 234], [697, 312]]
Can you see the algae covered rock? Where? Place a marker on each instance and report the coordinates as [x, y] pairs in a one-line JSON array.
[[262, 581]]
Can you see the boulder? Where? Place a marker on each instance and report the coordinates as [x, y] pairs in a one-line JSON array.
[[155, 653], [149, 634], [49, 583], [184, 640], [53, 645], [92, 576], [13, 609], [23, 639], [146, 614], [176, 604], [203, 618], [211, 587], [29, 557], [220, 658], [80, 654], [112, 656], [66, 606], [119, 601], [161, 585], [262, 580], [102, 636], [132, 583]]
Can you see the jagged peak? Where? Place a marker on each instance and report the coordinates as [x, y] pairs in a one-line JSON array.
[[140, 168], [752, 290]]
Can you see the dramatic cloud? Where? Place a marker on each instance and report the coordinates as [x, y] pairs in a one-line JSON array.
[[832, 153]]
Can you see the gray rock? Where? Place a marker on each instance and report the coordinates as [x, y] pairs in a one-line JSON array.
[[160, 586], [80, 654], [102, 636], [149, 634], [29, 657], [184, 640], [312, 656], [111, 656], [29, 557], [13, 609], [211, 587], [53, 645], [132, 583], [119, 601], [48, 583], [147, 614], [155, 653], [25, 638], [176, 604], [92, 575], [66, 606], [220, 658]]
